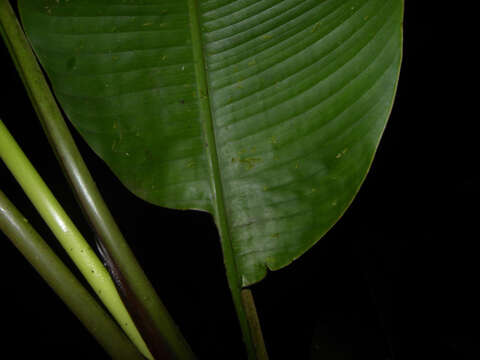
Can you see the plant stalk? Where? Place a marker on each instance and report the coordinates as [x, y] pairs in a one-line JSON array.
[[147, 310], [67, 234], [64, 283], [244, 305], [254, 323]]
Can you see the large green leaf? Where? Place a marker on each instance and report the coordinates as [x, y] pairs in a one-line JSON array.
[[265, 113], [268, 111]]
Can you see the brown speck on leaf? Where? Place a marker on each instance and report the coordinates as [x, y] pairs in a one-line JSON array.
[[316, 26]]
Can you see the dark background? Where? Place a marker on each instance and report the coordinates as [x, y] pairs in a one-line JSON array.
[[396, 278]]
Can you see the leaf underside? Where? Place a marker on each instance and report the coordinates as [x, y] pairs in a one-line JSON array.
[[265, 113]]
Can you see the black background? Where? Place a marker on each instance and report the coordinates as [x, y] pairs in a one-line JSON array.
[[396, 278]]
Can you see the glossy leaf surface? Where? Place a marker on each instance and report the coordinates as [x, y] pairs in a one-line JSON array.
[[265, 113]]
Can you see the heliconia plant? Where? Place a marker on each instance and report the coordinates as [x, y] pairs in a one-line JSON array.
[[266, 114]]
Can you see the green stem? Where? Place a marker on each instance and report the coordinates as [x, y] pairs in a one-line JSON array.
[[143, 303], [67, 234], [244, 305], [254, 324], [64, 283]]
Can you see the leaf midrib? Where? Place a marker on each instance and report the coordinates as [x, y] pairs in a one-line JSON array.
[[216, 184]]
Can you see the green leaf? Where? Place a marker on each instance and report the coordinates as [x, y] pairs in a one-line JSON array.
[[265, 113]]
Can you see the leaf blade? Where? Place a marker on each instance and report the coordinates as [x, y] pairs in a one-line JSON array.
[[295, 139], [266, 114]]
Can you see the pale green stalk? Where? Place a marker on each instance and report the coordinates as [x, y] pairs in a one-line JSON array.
[[57, 275], [67, 234], [147, 310]]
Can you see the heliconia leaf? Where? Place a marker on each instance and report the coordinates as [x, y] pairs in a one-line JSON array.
[[266, 113], [294, 93]]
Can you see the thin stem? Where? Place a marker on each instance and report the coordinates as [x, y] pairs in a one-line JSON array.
[[254, 323], [252, 337], [149, 313], [67, 234], [64, 283]]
